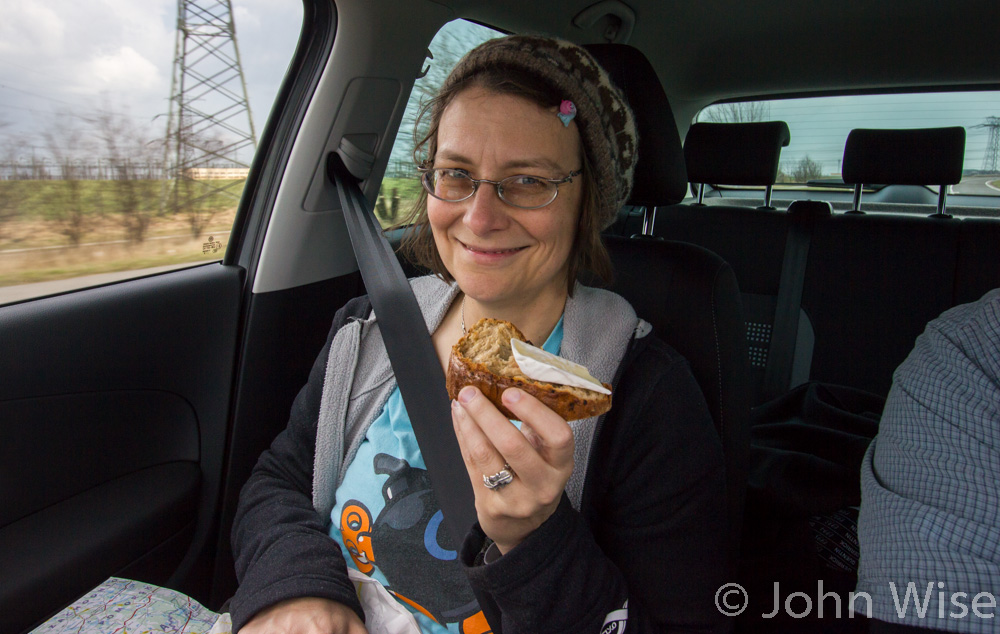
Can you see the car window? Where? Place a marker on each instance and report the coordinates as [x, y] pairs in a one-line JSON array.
[[125, 141], [401, 187], [820, 125]]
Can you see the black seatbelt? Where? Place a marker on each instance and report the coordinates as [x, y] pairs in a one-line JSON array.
[[414, 362], [781, 353]]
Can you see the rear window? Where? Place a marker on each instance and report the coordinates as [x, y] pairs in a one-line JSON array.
[[819, 127]]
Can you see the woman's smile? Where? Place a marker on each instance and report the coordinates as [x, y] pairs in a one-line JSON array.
[[490, 255]]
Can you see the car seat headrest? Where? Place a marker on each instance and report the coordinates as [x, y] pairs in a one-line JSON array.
[[660, 177], [927, 156], [735, 153]]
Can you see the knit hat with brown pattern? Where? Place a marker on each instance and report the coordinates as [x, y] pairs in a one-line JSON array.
[[605, 121]]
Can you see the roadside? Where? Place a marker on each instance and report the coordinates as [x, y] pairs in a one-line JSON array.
[[10, 294], [32, 250], [38, 228]]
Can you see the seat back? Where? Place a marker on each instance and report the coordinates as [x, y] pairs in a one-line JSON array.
[[690, 297], [873, 281], [687, 293], [742, 154], [978, 267]]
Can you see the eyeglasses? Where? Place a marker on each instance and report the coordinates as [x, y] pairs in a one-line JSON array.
[[522, 191]]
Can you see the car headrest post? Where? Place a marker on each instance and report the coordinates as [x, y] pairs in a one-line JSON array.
[[942, 204], [856, 209]]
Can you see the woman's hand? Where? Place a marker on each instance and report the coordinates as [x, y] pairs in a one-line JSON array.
[[308, 615], [540, 453]]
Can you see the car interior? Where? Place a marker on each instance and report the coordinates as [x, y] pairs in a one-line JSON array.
[[132, 413]]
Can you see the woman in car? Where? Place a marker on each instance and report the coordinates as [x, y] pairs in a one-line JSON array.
[[529, 154]]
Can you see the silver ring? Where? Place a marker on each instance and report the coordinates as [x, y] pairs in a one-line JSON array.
[[499, 479]]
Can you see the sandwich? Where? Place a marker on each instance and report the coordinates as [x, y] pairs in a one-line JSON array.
[[494, 355]]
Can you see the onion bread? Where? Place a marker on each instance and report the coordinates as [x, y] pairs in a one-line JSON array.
[[483, 358]]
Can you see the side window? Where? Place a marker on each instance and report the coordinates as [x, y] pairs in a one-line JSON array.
[[819, 127], [401, 185], [126, 134]]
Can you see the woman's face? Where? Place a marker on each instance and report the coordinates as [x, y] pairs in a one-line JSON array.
[[499, 253]]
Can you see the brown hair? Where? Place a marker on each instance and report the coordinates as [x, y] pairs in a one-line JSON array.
[[588, 252]]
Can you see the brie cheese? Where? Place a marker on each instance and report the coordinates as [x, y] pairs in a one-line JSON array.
[[540, 365]]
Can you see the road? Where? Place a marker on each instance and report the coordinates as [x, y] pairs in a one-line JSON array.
[[20, 292], [976, 186]]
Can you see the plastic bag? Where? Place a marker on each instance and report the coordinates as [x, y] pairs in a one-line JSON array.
[[383, 613]]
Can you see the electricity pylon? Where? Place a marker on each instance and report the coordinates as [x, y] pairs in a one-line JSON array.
[[209, 127], [991, 158]]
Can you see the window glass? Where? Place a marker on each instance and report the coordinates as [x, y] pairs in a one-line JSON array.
[[124, 147], [819, 127], [401, 186]]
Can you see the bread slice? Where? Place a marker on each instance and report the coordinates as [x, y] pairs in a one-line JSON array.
[[483, 358]]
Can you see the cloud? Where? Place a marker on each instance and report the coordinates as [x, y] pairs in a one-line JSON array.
[[123, 70], [83, 56], [29, 26], [245, 18]]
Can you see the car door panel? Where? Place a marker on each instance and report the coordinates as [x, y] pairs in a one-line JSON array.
[[73, 545], [83, 426], [114, 407]]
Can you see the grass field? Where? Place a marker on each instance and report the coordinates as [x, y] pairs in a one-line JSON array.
[[38, 220], [406, 190]]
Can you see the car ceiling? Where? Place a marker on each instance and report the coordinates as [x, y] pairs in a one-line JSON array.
[[709, 50]]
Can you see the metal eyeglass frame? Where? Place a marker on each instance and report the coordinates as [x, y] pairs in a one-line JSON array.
[[426, 172]]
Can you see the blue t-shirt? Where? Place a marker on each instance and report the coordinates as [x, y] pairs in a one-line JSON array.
[[388, 523]]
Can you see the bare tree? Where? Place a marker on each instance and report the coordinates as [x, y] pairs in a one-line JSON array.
[[12, 193], [128, 151], [71, 208], [387, 207], [449, 45], [806, 170], [737, 112], [193, 191]]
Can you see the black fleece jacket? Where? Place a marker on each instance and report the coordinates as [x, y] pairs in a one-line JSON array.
[[651, 529]]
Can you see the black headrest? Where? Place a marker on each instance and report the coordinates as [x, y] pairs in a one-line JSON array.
[[660, 178], [927, 156], [735, 153]]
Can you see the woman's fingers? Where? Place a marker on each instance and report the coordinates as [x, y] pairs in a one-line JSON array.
[[541, 457], [545, 430], [492, 440], [479, 454]]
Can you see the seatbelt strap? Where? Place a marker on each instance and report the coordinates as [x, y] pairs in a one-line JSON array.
[[414, 363], [785, 331]]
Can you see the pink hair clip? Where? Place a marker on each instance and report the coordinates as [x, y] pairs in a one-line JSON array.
[[567, 110]]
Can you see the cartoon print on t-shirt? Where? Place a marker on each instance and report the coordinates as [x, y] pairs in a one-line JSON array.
[[410, 547], [355, 524]]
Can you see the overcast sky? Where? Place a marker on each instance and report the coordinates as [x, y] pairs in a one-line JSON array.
[[80, 55], [84, 56]]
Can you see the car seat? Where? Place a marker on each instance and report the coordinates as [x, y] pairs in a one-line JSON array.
[[688, 294]]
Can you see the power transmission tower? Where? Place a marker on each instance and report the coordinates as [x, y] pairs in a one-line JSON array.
[[209, 127], [991, 158]]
